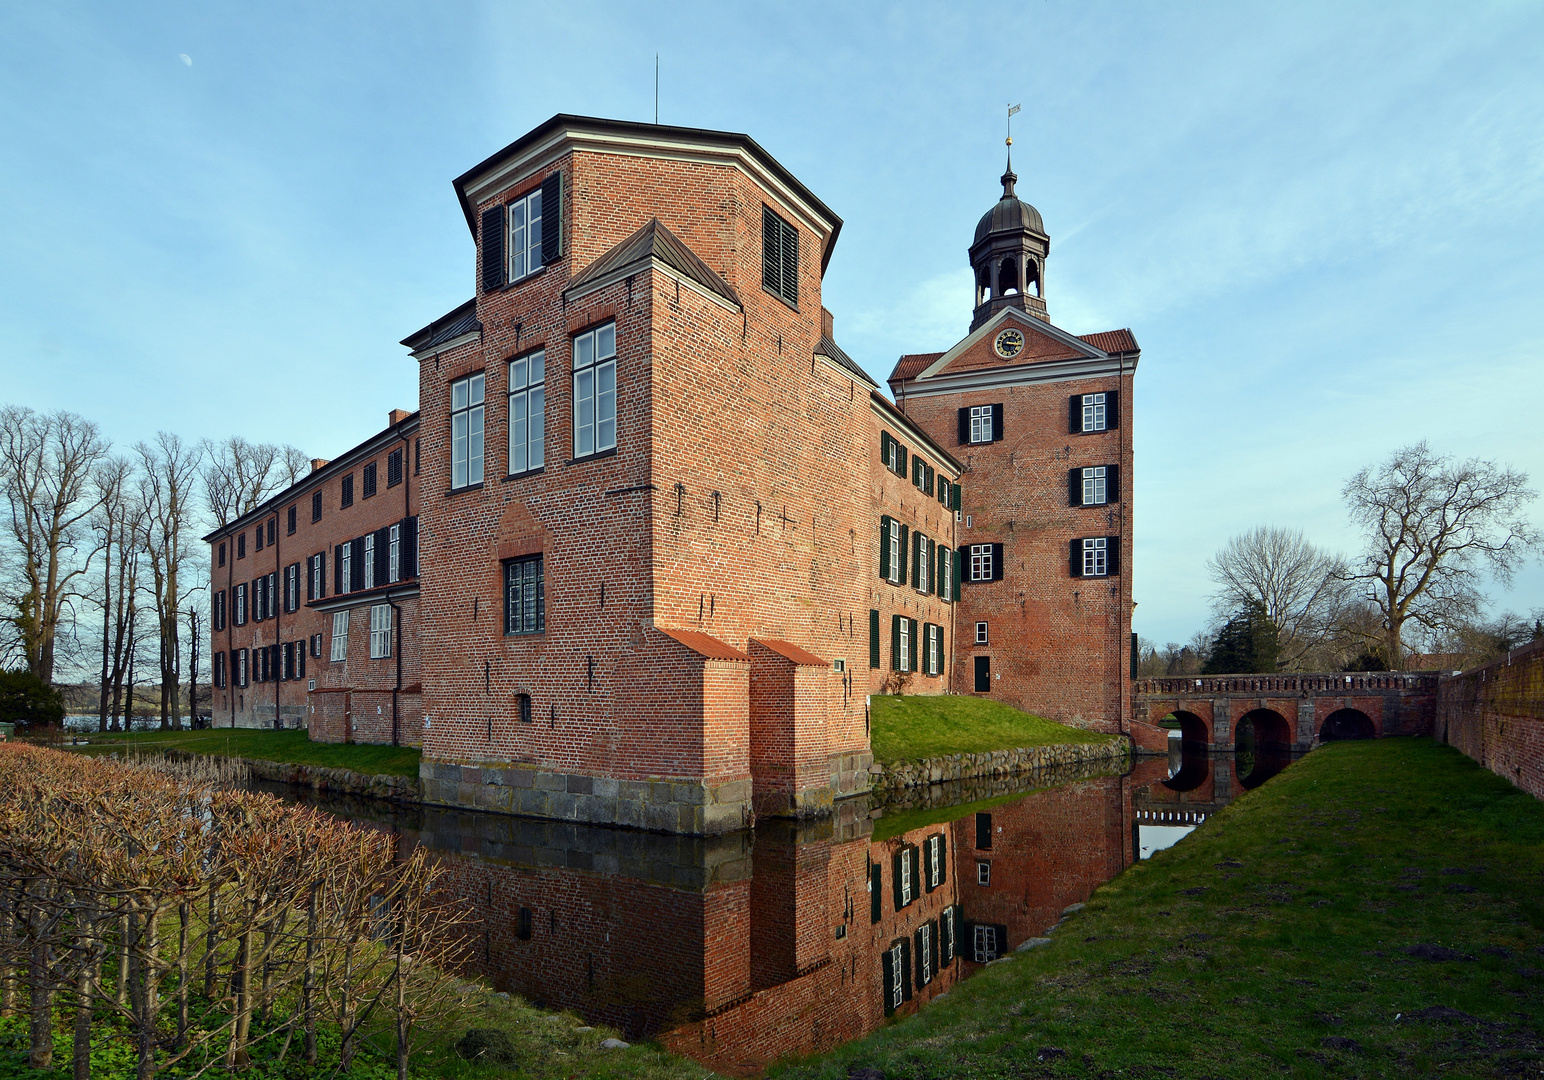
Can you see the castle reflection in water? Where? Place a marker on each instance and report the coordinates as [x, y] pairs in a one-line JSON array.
[[791, 939]]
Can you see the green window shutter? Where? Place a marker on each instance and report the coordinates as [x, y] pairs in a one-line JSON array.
[[884, 547], [900, 571], [895, 643], [900, 460], [956, 569], [954, 498], [927, 480], [873, 638], [913, 657], [932, 567]]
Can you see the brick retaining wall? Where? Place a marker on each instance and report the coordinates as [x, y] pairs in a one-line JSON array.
[[1495, 714], [997, 763]]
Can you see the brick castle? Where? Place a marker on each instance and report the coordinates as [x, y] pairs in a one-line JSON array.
[[654, 539]]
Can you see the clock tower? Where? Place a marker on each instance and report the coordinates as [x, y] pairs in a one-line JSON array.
[[1008, 256]]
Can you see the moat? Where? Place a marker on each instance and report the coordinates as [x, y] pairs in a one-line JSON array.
[[794, 938]]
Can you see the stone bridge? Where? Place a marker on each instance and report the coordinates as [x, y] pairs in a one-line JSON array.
[[1287, 712]]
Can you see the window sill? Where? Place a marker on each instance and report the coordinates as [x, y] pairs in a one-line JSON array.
[[522, 475], [525, 634], [538, 272], [465, 487], [780, 296], [591, 457]]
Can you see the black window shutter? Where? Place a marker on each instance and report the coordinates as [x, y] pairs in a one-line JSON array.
[[913, 659], [311, 578], [905, 967], [876, 884], [884, 547], [887, 962], [1112, 409], [943, 859], [954, 497], [873, 638], [1075, 558], [900, 460], [917, 540], [357, 574], [1112, 483], [962, 560], [410, 547], [790, 264], [965, 426], [492, 236], [954, 585], [895, 643], [1112, 554], [1075, 415], [997, 422], [1074, 487], [383, 555], [900, 899], [771, 248], [997, 562], [322, 592], [341, 586], [551, 218]]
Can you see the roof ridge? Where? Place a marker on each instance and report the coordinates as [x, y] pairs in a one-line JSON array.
[[654, 239]]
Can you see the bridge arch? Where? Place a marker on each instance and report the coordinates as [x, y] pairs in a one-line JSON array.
[[1194, 769], [1268, 730], [1347, 724], [1192, 729]]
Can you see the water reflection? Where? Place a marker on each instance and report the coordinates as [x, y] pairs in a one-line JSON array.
[[790, 940]]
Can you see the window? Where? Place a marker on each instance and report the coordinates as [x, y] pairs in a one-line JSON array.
[[527, 412], [1095, 557], [257, 537], [523, 706], [345, 569], [523, 924], [1093, 482], [271, 597], [346, 491], [369, 480], [318, 590], [892, 550], [288, 670], [947, 921], [595, 391], [873, 638], [524, 602], [219, 669], [316, 646], [241, 545], [466, 431], [239, 603], [394, 468], [945, 573], [525, 235], [380, 631], [905, 887], [779, 258], [369, 560], [839, 664], [925, 953], [289, 522], [986, 944], [394, 553], [895, 991], [292, 587], [316, 506], [892, 453], [905, 644], [222, 555], [339, 636], [981, 633], [933, 657], [219, 610], [981, 562], [1095, 414], [919, 575], [936, 867], [242, 673], [981, 423], [983, 873]]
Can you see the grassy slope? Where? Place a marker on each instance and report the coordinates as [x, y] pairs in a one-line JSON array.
[[916, 726], [1189, 966], [287, 746]]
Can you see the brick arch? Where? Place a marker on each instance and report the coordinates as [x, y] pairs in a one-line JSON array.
[[1194, 770], [1192, 728], [1271, 729], [1347, 724]]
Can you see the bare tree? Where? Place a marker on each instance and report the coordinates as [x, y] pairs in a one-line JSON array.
[[170, 469], [116, 523], [1299, 585], [1433, 525], [46, 465], [241, 476]]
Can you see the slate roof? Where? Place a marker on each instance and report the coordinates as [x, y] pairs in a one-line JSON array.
[[657, 241], [453, 324], [830, 349]]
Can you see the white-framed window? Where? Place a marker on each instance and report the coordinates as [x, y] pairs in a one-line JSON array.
[[935, 861], [1096, 562], [527, 412], [380, 631], [905, 643], [980, 424], [981, 562], [1094, 416], [981, 633], [466, 431], [946, 930], [369, 560], [1094, 492], [219, 669], [595, 391], [922, 567], [906, 887], [893, 456], [345, 569], [945, 572], [525, 236], [240, 605], [925, 953], [394, 553], [898, 975], [339, 636], [243, 673], [316, 577], [895, 550], [986, 946], [292, 587], [935, 650], [983, 873], [839, 664]]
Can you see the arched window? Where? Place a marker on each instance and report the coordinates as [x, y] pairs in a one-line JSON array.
[[523, 702], [1008, 278], [1032, 277]]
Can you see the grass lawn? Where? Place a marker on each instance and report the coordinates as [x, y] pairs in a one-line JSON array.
[[286, 746], [1377, 910], [912, 727]]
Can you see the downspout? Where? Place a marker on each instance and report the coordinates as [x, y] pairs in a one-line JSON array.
[[278, 624], [230, 624]]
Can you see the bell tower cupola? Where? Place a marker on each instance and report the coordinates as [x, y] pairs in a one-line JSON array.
[[1008, 255]]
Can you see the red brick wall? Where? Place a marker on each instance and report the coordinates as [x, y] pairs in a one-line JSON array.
[[1495, 714]]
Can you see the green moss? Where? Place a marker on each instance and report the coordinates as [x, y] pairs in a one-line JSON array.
[[293, 747], [1188, 965], [910, 728]]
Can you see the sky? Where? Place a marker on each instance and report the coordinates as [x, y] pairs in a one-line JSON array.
[[1324, 222]]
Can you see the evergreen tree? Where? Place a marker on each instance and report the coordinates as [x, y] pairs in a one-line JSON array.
[[1246, 643]]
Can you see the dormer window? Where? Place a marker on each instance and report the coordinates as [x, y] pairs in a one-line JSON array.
[[522, 236], [525, 235], [779, 257]]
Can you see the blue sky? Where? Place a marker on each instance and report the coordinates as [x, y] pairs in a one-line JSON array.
[[1323, 222]]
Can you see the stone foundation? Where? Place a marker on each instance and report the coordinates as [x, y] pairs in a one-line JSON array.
[[998, 763]]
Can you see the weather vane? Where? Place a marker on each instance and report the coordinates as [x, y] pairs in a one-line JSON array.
[[1011, 110]]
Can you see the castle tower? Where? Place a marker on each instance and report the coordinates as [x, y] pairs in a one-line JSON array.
[[1008, 256]]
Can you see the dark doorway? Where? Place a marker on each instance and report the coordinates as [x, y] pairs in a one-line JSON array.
[[983, 674], [1346, 724]]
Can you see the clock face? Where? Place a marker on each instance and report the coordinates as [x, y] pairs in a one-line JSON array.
[[1009, 342]]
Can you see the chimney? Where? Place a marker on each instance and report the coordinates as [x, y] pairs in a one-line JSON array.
[[318, 463], [827, 321], [396, 416]]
